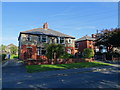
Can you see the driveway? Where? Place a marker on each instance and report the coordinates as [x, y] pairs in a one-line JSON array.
[[96, 77]]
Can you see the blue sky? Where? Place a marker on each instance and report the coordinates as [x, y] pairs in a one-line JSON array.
[[73, 18]]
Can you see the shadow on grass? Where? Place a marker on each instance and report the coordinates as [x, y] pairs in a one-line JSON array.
[[39, 68]]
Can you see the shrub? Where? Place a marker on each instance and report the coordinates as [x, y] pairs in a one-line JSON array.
[[2, 56], [112, 54], [54, 50], [66, 56], [88, 53], [98, 53], [15, 56]]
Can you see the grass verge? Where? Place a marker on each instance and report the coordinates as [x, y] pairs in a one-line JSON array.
[[39, 68]]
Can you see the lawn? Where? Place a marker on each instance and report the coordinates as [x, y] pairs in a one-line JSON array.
[[13, 56], [39, 68]]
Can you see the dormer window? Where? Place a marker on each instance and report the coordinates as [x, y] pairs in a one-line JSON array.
[[29, 38]]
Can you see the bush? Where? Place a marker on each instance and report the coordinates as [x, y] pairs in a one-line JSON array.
[[66, 56], [116, 54], [99, 53], [15, 56], [112, 54], [88, 53], [2, 56], [54, 50]]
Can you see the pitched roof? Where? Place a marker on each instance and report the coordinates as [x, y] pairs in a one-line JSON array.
[[85, 38], [39, 31]]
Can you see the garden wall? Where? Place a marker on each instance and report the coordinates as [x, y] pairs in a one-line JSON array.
[[56, 61]]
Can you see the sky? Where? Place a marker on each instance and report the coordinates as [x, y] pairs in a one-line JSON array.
[[72, 18]]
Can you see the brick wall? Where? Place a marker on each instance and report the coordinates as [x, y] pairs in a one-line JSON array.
[[85, 44], [72, 49], [24, 51], [57, 61]]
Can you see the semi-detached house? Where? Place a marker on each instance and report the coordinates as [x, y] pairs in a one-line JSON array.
[[31, 42]]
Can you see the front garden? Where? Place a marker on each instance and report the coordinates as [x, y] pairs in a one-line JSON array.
[[39, 68]]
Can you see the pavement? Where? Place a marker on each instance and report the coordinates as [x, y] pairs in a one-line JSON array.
[[15, 76]]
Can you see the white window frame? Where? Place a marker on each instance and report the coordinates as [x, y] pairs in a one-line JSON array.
[[42, 49], [69, 40], [42, 38], [69, 50], [62, 39], [29, 37], [38, 51], [58, 38], [39, 38]]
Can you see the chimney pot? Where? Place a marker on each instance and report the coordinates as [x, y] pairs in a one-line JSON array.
[[45, 25], [93, 35]]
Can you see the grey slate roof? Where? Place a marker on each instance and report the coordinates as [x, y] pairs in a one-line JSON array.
[[85, 38], [46, 32]]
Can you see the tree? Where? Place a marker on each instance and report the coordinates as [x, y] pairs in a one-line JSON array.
[[2, 47], [54, 51], [114, 38], [88, 53], [108, 38], [13, 49]]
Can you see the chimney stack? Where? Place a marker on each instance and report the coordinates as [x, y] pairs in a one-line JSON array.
[[45, 26], [93, 35]]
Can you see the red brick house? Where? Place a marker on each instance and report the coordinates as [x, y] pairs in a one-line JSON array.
[[31, 42], [84, 42]]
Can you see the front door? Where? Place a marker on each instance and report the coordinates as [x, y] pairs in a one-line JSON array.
[[29, 52]]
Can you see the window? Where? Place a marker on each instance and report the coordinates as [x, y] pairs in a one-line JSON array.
[[69, 51], [57, 40], [39, 38], [44, 38], [38, 51], [69, 41], [53, 41], [76, 45], [62, 40], [29, 38], [43, 51]]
